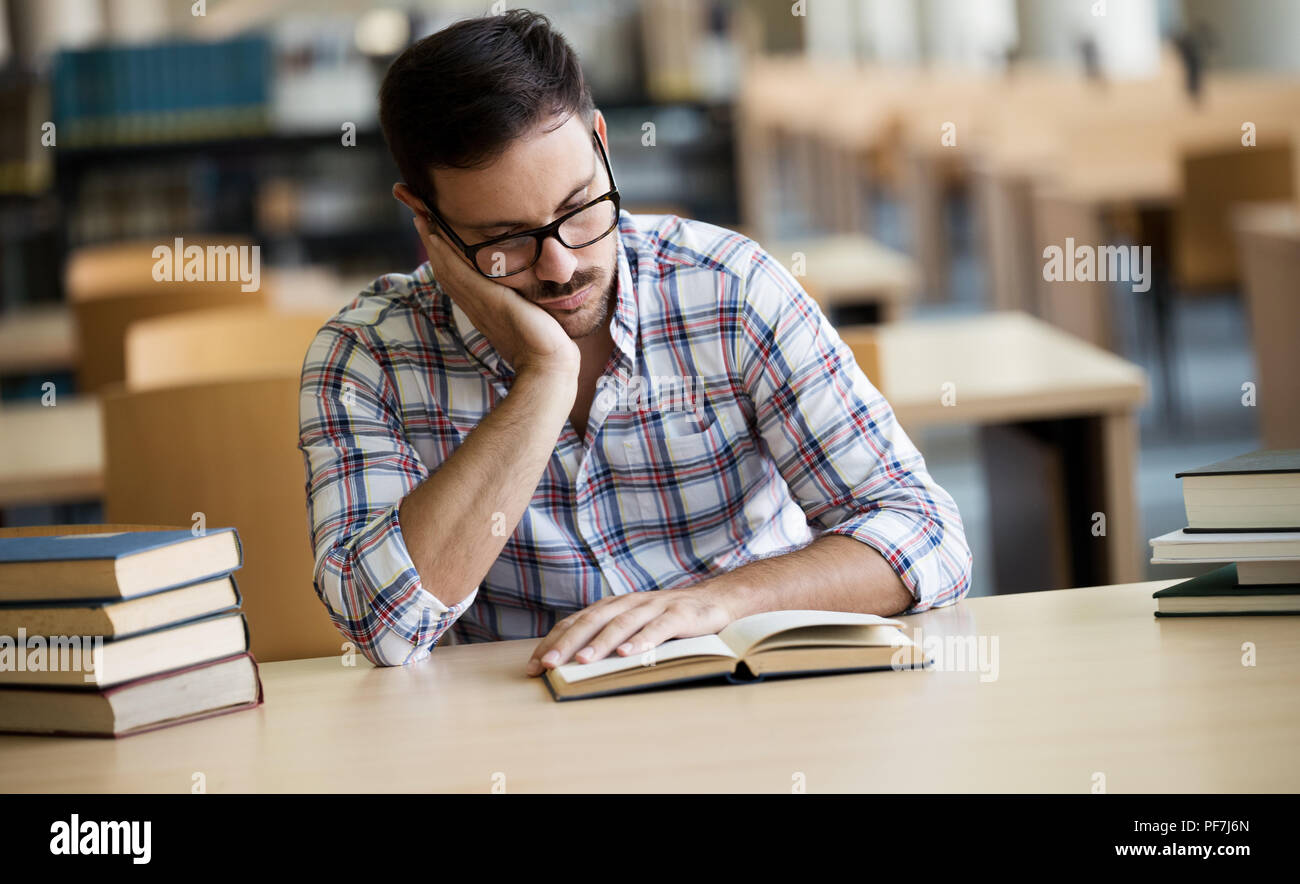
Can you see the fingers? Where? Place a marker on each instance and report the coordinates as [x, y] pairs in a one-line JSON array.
[[453, 271], [591, 633], [543, 649], [458, 276], [439, 249], [628, 624], [669, 624], [422, 225], [614, 632]]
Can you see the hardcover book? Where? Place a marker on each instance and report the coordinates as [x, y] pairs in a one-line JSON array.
[[771, 644], [115, 565], [1219, 594], [89, 663], [1259, 491], [123, 617], [156, 701]]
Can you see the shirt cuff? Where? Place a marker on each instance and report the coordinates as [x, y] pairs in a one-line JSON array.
[[918, 558]]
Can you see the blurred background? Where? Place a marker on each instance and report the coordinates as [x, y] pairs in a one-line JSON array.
[[909, 160]]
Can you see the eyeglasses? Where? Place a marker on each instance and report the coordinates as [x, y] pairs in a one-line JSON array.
[[516, 252]]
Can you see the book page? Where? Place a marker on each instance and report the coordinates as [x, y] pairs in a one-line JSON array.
[[746, 632], [821, 636], [676, 649]]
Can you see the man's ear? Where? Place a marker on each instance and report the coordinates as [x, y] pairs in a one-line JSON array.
[[598, 123], [405, 195]]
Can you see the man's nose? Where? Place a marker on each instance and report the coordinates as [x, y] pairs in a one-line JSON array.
[[556, 263]]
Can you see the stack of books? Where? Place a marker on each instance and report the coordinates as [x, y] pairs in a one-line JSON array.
[[116, 633], [1246, 511]]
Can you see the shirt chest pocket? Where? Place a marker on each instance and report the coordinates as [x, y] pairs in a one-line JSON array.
[[670, 475]]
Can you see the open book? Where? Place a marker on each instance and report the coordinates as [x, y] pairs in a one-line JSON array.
[[774, 643]]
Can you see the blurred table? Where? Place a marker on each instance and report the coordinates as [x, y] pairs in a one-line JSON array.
[[1005, 366], [51, 454], [1058, 427], [34, 339], [843, 271]]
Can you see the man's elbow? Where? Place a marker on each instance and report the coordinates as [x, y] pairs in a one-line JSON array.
[[363, 627], [954, 578], [350, 628]]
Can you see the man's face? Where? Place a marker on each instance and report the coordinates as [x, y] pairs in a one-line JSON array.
[[537, 179]]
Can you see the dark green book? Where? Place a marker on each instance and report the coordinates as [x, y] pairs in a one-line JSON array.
[[1217, 594]]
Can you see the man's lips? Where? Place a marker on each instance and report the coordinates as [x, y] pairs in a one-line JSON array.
[[567, 303]]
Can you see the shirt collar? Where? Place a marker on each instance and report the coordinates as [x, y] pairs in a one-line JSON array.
[[623, 324]]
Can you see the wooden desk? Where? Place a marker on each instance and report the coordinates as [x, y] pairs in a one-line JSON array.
[[1006, 366], [37, 339], [1087, 682], [1059, 433], [51, 454], [851, 270]]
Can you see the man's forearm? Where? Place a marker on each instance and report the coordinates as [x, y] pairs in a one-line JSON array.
[[833, 573], [458, 520]]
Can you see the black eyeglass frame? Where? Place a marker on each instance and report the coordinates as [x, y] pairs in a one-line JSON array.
[[539, 234]]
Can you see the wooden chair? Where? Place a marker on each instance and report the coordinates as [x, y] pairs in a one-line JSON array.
[[227, 449], [221, 343], [109, 287], [1268, 239], [1215, 179]]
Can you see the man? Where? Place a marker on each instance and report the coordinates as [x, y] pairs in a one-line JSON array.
[[569, 406]]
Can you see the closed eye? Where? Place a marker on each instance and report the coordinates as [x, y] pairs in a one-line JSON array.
[[519, 228]]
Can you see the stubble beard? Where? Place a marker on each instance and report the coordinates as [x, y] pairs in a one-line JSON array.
[[593, 313]]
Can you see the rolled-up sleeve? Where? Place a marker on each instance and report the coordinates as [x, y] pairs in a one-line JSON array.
[[359, 466], [835, 439]]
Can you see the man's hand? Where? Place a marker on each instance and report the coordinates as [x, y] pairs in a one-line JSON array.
[[525, 334], [632, 624]]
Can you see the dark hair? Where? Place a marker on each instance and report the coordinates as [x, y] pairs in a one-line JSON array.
[[457, 98]]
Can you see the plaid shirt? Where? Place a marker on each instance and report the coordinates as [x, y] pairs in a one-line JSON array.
[[733, 424]]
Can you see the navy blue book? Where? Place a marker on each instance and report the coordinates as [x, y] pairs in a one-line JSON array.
[[112, 565]]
